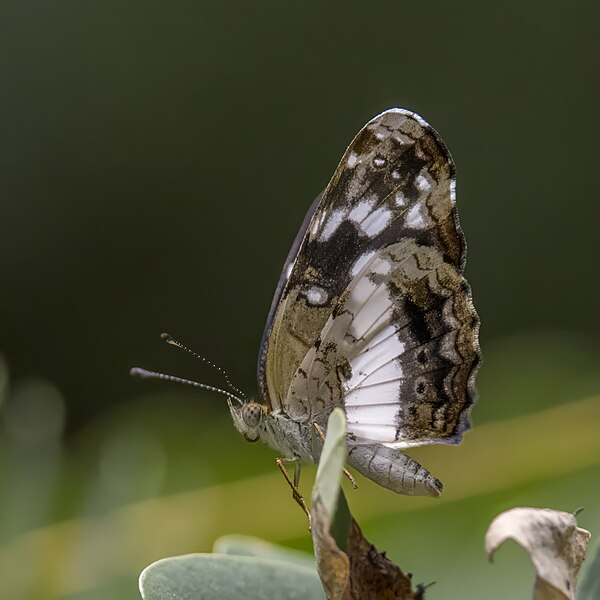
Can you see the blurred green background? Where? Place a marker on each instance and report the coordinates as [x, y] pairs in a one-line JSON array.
[[156, 160]]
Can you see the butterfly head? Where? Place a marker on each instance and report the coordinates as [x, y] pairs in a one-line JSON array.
[[248, 418]]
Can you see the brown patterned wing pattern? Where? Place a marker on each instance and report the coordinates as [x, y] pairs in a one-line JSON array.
[[373, 312]]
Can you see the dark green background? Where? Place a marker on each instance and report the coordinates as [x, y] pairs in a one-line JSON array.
[[157, 158]]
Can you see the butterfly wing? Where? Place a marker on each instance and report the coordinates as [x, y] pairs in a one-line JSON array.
[[374, 313], [281, 286]]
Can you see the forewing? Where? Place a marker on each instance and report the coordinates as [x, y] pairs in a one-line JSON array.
[[395, 182]]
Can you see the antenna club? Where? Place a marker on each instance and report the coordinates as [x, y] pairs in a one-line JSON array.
[[139, 372], [168, 338]]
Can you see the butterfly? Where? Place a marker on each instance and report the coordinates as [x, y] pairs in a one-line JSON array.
[[373, 314]]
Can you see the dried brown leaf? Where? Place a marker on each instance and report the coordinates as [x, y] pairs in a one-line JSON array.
[[372, 574], [333, 564], [554, 542]]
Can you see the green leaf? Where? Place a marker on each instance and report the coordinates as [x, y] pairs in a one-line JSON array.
[[227, 577], [332, 563], [327, 490], [331, 462], [341, 523]]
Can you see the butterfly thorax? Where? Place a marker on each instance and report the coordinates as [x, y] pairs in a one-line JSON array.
[[290, 438]]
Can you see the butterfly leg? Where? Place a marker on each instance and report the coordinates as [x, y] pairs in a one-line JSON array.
[[347, 473], [296, 495], [351, 479]]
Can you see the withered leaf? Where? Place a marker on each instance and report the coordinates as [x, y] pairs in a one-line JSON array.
[[554, 542]]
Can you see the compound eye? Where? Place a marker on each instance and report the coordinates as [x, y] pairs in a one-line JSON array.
[[251, 413]]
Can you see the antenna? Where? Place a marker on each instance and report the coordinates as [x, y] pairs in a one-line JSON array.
[[145, 374], [169, 339]]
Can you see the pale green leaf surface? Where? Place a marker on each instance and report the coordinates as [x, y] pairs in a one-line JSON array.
[[331, 462], [330, 542], [226, 577], [247, 545]]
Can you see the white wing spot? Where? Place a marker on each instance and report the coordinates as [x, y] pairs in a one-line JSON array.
[[332, 223], [403, 139], [381, 132], [379, 162], [396, 175], [361, 210], [316, 295], [381, 267], [416, 219], [352, 160], [424, 181], [376, 222], [361, 262], [401, 199]]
